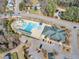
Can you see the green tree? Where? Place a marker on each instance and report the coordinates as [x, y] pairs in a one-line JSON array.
[[71, 14], [22, 6], [51, 8], [56, 1], [5, 2]]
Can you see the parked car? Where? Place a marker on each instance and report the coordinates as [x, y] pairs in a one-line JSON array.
[[7, 56], [14, 55], [40, 46]]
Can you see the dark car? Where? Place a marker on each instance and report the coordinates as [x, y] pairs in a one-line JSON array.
[[74, 27], [40, 46], [7, 56]]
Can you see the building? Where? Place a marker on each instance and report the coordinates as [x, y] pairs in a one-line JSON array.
[[10, 4]]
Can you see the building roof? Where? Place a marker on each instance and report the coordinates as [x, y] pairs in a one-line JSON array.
[[54, 33], [10, 4]]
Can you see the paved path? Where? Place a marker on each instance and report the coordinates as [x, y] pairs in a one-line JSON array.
[[75, 51], [16, 11]]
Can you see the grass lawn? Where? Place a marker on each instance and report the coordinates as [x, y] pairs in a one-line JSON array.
[[34, 11], [14, 55]]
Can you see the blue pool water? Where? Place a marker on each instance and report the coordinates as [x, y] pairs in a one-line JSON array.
[[28, 27]]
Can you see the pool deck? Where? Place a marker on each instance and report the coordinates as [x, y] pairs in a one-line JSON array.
[[35, 32]]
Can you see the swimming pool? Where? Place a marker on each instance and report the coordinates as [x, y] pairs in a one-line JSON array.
[[28, 27]]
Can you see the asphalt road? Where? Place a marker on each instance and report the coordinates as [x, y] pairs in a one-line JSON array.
[[75, 50]]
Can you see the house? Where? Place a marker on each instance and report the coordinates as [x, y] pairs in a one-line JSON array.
[[36, 6], [10, 4]]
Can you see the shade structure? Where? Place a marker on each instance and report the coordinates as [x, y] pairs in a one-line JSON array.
[[59, 35], [55, 33]]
